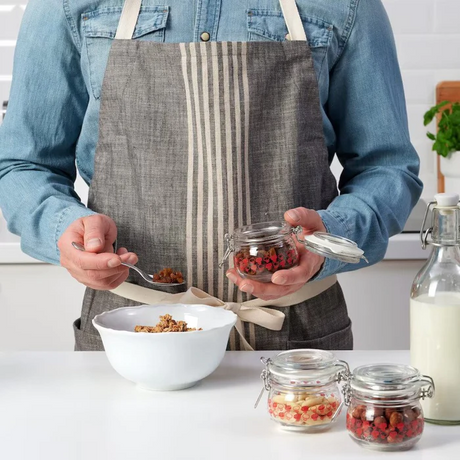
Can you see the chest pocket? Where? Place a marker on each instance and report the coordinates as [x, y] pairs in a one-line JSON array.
[[269, 25], [100, 27]]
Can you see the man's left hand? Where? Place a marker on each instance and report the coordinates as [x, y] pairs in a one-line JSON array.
[[285, 282]]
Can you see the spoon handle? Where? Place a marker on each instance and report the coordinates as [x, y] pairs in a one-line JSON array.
[[138, 270], [78, 246]]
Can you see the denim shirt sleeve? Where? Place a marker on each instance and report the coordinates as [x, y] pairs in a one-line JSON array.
[[379, 184], [40, 131]]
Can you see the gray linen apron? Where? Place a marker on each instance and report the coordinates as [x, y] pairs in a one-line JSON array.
[[197, 139]]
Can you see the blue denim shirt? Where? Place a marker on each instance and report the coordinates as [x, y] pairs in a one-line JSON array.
[[52, 120]]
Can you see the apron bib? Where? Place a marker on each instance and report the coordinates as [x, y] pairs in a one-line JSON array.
[[197, 139]]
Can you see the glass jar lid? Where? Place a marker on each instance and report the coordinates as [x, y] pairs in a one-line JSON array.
[[390, 380], [263, 232], [333, 247], [323, 244], [305, 365], [301, 369]]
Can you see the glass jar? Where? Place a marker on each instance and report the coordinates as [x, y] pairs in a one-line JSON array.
[[264, 248], [303, 390], [435, 311], [384, 410]]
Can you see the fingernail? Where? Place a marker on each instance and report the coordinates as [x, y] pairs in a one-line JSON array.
[[231, 277], [132, 260], [294, 215], [280, 279], [248, 288], [95, 242], [112, 263]]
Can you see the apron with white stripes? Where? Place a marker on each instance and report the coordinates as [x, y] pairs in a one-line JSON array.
[[197, 139]]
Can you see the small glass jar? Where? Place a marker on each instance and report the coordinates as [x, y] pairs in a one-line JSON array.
[[264, 248], [384, 410], [303, 390]]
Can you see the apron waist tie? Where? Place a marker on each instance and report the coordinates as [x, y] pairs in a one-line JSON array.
[[252, 311]]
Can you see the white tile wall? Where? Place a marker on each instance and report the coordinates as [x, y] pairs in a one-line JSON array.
[[419, 86], [6, 56], [411, 16], [11, 12], [427, 36], [447, 17]]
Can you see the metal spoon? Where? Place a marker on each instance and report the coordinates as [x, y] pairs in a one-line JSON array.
[[147, 277]]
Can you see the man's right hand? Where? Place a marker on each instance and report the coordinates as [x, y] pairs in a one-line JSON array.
[[98, 267]]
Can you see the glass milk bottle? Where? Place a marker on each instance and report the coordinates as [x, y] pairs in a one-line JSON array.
[[435, 311]]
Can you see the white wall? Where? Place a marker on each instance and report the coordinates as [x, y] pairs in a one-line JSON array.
[[428, 42], [10, 19], [427, 34]]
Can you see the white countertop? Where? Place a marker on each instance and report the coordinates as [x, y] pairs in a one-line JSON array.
[[11, 253], [73, 406], [406, 246]]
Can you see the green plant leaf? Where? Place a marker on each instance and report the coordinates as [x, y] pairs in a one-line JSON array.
[[447, 139], [428, 117], [442, 104]]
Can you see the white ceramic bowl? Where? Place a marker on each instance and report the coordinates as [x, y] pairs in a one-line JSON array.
[[169, 360]]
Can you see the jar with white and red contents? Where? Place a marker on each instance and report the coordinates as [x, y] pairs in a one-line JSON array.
[[384, 410], [303, 389]]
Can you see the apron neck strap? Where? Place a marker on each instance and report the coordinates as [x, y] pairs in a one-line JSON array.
[[132, 8], [293, 21], [128, 19]]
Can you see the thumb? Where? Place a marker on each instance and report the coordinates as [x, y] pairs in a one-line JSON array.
[[309, 219], [99, 230]]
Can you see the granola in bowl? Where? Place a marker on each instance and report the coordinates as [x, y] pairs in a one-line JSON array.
[[167, 324]]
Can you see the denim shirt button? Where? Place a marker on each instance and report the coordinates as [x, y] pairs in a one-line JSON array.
[[205, 37]]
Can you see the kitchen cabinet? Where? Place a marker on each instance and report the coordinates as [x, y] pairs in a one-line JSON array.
[[378, 303], [38, 303]]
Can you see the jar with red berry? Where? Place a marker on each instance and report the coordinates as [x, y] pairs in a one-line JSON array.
[[384, 410], [261, 249], [303, 389]]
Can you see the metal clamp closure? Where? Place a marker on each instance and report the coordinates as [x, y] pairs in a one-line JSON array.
[[343, 375], [265, 376], [229, 250], [424, 233], [427, 392]]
